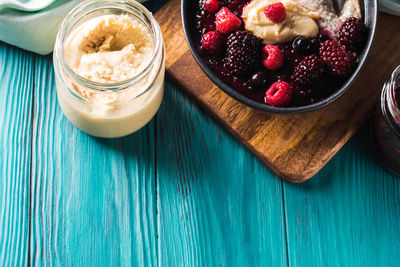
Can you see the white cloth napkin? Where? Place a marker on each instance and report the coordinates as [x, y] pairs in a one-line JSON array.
[[33, 24], [390, 6]]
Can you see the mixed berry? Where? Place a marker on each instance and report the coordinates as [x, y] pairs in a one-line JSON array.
[[242, 53], [296, 73], [275, 12]]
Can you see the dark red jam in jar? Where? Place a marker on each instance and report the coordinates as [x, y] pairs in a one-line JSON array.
[[386, 127]]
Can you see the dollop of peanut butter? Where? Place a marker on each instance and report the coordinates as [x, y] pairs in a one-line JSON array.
[[299, 21], [109, 48]]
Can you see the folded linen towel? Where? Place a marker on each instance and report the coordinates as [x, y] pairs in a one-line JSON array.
[[33, 24], [390, 6]]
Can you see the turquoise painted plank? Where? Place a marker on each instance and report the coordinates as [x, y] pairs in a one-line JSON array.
[[181, 192], [154, 5], [148, 4], [348, 215], [217, 204], [16, 88], [157, 4], [94, 200]]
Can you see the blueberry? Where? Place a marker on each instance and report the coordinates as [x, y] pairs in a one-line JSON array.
[[322, 37], [305, 46], [259, 80]]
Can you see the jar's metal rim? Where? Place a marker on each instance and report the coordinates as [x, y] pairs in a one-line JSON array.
[[78, 12]]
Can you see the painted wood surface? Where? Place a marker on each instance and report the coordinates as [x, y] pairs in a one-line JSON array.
[[93, 200], [180, 192], [295, 147], [201, 172], [16, 93], [348, 215]]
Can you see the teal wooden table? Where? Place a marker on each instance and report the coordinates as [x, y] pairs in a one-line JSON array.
[[180, 192]]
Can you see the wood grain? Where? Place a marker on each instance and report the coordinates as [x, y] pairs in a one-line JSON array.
[[218, 205], [295, 147], [15, 154], [346, 215], [93, 200], [180, 192], [96, 203]]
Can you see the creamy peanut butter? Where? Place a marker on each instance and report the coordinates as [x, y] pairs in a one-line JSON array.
[[111, 49], [303, 18], [299, 21]]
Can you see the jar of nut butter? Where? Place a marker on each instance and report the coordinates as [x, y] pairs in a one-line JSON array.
[[386, 125], [109, 62]]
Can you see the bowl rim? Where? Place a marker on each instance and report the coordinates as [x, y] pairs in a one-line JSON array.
[[371, 16]]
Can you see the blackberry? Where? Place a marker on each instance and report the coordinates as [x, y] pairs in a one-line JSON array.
[[302, 96], [235, 5], [352, 34], [309, 71], [340, 60], [292, 58], [242, 52]]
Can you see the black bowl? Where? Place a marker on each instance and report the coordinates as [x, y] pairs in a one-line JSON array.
[[370, 16]]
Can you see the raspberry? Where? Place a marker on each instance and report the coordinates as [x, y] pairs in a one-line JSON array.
[[352, 34], [335, 55], [275, 12], [226, 21], [309, 71], [211, 6], [243, 51], [273, 57], [279, 94], [213, 42]]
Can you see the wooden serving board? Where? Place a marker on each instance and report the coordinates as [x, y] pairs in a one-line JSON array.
[[295, 147]]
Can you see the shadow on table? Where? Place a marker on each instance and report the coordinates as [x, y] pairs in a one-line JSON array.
[[355, 159]]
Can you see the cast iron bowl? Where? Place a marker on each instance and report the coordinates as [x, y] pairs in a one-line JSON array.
[[370, 16]]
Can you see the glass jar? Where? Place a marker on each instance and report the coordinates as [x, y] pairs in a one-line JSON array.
[[114, 109], [386, 125]]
